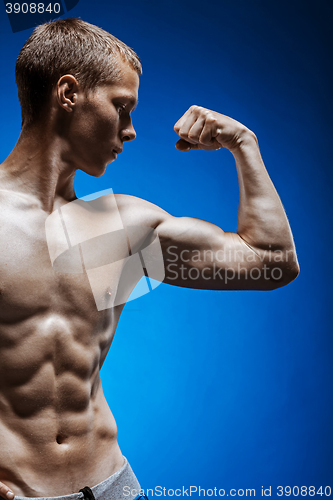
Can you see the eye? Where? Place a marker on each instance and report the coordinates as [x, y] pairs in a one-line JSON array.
[[120, 108]]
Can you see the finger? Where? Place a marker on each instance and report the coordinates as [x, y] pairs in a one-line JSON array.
[[182, 119], [195, 131], [209, 132], [187, 120], [5, 492], [185, 128], [183, 145]]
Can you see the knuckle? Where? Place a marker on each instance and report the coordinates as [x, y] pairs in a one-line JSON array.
[[196, 109], [210, 118]]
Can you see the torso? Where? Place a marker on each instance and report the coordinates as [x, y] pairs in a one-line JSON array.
[[57, 431]]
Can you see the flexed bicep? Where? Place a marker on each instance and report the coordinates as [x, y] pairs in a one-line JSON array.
[[198, 254]]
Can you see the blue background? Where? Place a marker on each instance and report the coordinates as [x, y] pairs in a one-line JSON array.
[[225, 389]]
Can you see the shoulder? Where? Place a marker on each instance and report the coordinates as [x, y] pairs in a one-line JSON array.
[[138, 212]]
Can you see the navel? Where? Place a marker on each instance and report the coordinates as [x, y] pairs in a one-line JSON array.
[[60, 439]]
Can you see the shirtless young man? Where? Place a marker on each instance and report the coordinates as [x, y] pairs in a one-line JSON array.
[[77, 88]]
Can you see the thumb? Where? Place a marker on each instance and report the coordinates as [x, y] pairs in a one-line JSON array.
[[183, 145], [5, 492]]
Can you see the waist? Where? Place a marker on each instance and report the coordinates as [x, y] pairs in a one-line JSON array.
[[51, 455], [118, 485]]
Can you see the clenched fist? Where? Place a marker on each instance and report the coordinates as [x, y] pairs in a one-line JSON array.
[[201, 128]]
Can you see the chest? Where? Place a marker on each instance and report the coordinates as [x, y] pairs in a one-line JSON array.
[[28, 282], [79, 272]]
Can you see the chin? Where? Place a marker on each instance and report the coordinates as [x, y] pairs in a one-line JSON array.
[[100, 171], [95, 170]]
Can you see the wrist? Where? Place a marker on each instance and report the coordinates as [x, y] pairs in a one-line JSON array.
[[245, 141]]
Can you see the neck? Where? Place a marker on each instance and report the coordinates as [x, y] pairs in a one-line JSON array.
[[40, 166]]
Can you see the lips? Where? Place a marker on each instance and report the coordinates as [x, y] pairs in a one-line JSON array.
[[117, 150]]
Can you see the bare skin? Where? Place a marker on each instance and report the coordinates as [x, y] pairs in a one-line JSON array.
[[57, 431]]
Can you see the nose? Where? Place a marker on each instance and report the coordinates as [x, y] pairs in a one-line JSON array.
[[128, 133]]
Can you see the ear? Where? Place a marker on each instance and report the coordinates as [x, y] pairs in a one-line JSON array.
[[67, 88]]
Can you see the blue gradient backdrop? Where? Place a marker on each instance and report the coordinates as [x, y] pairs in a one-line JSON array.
[[222, 389]]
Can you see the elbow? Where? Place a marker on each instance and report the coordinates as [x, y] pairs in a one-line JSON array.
[[281, 268], [291, 270], [284, 275], [290, 274]]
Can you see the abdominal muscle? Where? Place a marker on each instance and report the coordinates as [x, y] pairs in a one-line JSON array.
[[53, 463], [57, 433]]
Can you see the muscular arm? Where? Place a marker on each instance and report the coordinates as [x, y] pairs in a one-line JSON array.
[[261, 254]]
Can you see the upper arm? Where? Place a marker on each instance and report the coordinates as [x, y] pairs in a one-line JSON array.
[[198, 254]]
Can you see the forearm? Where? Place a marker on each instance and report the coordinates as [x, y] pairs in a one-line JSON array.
[[263, 243], [262, 221]]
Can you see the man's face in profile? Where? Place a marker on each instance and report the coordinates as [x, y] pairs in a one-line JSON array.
[[101, 122]]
